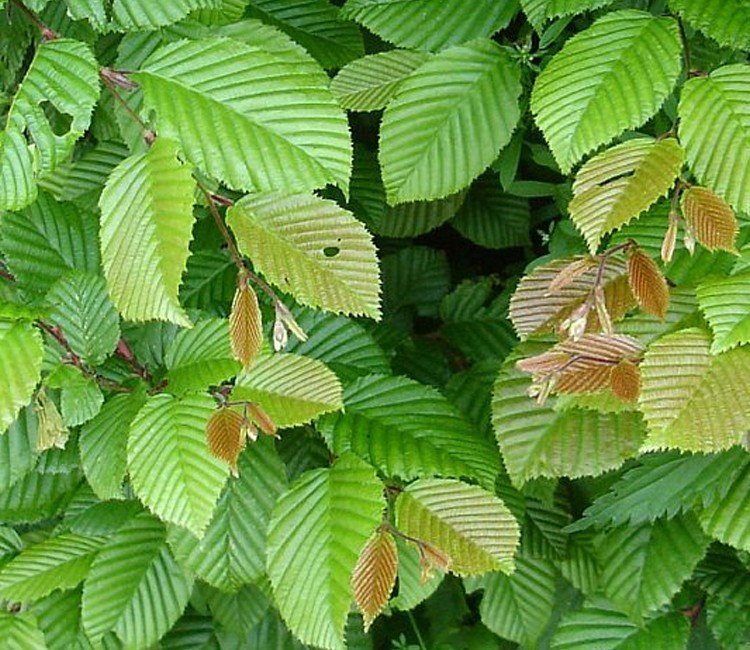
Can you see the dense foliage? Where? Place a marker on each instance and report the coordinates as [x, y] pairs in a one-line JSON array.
[[374, 324]]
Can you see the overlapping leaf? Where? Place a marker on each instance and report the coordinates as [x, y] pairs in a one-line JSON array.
[[619, 184], [724, 519], [727, 22], [20, 368], [375, 575], [247, 116], [724, 302], [690, 399], [173, 472], [720, 156], [291, 389], [147, 217], [323, 521], [540, 11], [447, 121], [312, 248], [409, 430], [610, 77], [710, 220], [134, 15]]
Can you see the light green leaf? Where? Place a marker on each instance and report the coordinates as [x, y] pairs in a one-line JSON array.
[[723, 97], [59, 618], [470, 525], [409, 430], [412, 590], [38, 495], [440, 22], [170, 467], [232, 551], [20, 632], [726, 306], [80, 398], [726, 21], [80, 306], [600, 626], [619, 184], [608, 78], [692, 400], [134, 588], [287, 130], [18, 448], [103, 443], [56, 563], [292, 389], [518, 606], [448, 120], [65, 74], [540, 11], [316, 25], [643, 566], [542, 441], [323, 522], [46, 240], [20, 368], [147, 217], [368, 84], [200, 357], [725, 518], [134, 15], [311, 248]]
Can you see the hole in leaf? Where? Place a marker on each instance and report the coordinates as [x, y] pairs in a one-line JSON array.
[[331, 251], [59, 122]]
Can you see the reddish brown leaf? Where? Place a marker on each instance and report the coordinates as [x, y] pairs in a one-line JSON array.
[[245, 324], [709, 219], [648, 284], [225, 436], [262, 419], [375, 575], [625, 381]]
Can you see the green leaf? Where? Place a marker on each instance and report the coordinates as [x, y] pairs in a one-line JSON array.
[[103, 443], [705, 406], [431, 24], [147, 217], [412, 590], [20, 632], [619, 184], [491, 218], [80, 396], [724, 519], [542, 441], [247, 116], [725, 304], [448, 120], [643, 566], [369, 83], [608, 78], [415, 276], [200, 357], [470, 525], [59, 618], [293, 390], [20, 368], [134, 588], [80, 306], [315, 25], [311, 248], [64, 74], [322, 522], [540, 11], [239, 612], [209, 282], [56, 563], [134, 15], [408, 430], [173, 472], [727, 22], [663, 485], [46, 240], [519, 606], [18, 448], [600, 626], [724, 98], [232, 551]]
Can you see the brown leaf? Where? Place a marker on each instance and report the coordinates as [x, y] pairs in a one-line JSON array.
[[375, 575], [625, 381], [430, 558], [648, 284], [262, 419], [534, 309], [710, 220], [245, 324], [225, 436]]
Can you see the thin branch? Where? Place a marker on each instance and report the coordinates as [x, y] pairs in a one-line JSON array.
[[47, 33], [685, 47], [148, 135], [126, 354]]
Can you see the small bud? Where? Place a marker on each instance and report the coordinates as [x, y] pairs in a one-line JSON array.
[[249, 430], [601, 310], [280, 337], [670, 239], [689, 240], [575, 324], [287, 318]]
